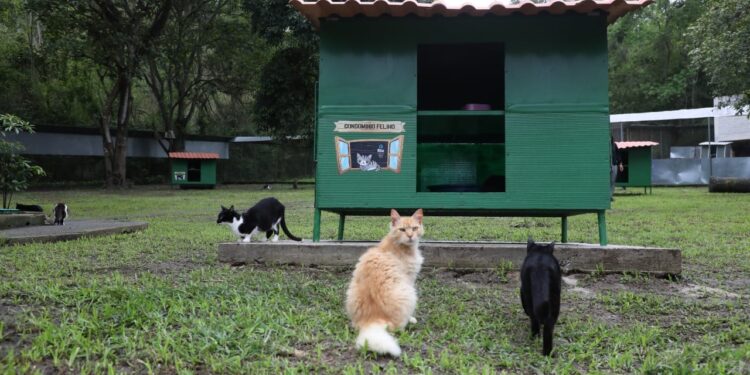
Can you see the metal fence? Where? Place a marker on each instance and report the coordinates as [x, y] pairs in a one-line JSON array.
[[697, 171]]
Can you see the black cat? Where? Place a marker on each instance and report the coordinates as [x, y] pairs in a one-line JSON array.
[[61, 213], [265, 216], [540, 289], [29, 207]]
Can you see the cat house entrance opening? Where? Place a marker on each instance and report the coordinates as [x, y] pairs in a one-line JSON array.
[[461, 118], [623, 176], [194, 171]]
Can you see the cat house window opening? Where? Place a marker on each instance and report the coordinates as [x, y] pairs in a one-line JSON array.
[[461, 117]]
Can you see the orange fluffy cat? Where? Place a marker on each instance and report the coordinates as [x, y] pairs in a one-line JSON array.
[[382, 296]]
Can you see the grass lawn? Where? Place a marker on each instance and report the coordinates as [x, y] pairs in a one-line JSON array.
[[158, 301]]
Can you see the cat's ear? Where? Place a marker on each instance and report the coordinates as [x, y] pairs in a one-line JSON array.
[[223, 208], [551, 247], [394, 217], [231, 208], [418, 214]]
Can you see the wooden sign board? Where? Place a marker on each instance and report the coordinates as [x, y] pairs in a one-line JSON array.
[[369, 126]]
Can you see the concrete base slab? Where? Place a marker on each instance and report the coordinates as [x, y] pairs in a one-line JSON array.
[[23, 219], [573, 257], [72, 229]]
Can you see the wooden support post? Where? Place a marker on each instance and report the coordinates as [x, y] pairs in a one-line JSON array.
[[564, 228], [602, 228], [316, 225], [342, 218]]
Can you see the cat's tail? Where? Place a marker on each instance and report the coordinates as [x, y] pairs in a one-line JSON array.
[[286, 231], [541, 299], [376, 338]]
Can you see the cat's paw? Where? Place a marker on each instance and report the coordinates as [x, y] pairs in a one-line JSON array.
[[412, 320], [246, 239], [275, 238]]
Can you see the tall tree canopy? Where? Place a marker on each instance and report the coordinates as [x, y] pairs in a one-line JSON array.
[[649, 66], [206, 51], [721, 48], [115, 36], [286, 96]]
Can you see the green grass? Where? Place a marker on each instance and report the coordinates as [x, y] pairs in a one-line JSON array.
[[159, 302]]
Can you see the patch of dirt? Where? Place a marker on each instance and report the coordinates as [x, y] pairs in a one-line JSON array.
[[583, 292], [613, 283], [472, 276], [701, 291], [160, 268], [171, 267], [570, 280], [9, 337], [729, 279]]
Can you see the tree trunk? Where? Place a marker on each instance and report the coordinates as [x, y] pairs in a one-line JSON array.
[[178, 144], [107, 145], [115, 150]]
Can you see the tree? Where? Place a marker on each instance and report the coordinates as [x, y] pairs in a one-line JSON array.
[[649, 67], [17, 171], [206, 48], [40, 87], [115, 35], [284, 106], [721, 48]]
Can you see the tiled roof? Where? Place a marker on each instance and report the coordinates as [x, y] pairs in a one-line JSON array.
[[193, 155], [316, 9], [636, 144]]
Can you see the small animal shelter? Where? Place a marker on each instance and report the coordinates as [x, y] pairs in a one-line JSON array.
[[463, 108], [636, 161], [193, 169]]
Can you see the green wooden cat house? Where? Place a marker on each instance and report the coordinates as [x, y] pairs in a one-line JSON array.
[[636, 160], [463, 108], [193, 169]]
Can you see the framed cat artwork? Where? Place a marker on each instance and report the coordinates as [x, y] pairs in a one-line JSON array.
[[369, 155]]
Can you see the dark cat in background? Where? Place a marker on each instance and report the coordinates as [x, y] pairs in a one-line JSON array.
[[61, 213], [540, 289], [265, 217], [29, 207]]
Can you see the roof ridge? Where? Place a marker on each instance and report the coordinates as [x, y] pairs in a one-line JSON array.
[[313, 10]]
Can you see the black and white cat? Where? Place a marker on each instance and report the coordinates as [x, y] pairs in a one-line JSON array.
[[61, 213], [540, 290], [265, 217]]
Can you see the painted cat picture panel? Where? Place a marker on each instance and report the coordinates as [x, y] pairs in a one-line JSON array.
[[369, 155]]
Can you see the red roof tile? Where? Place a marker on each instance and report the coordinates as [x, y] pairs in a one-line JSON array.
[[636, 144], [193, 155], [316, 9]]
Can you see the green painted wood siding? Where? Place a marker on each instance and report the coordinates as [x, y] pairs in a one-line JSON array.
[[556, 116]]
